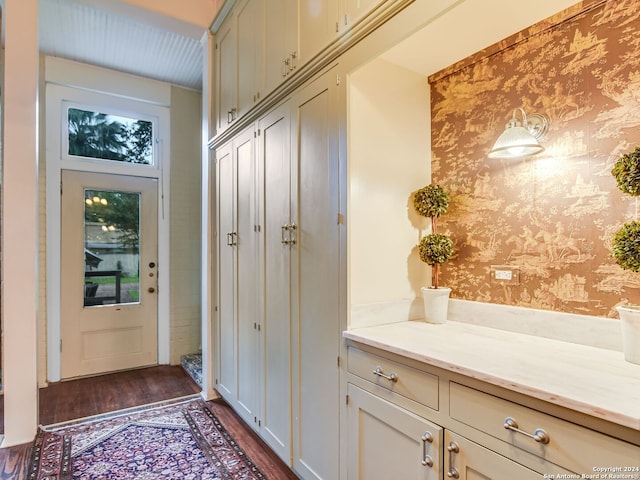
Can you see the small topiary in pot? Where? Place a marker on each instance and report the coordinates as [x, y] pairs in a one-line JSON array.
[[435, 249], [626, 250]]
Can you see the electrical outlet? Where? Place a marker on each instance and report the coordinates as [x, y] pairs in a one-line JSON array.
[[505, 274]]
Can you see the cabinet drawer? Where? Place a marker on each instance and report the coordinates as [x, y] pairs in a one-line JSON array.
[[571, 446], [419, 386]]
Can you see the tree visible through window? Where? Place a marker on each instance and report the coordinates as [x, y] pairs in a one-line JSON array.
[[110, 137]]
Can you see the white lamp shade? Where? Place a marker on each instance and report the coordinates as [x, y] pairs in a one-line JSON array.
[[515, 142]]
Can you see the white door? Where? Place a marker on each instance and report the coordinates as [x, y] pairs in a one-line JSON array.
[[275, 179], [227, 257], [109, 250], [246, 277], [317, 274]]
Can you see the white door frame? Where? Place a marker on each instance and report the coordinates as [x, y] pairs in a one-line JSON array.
[[155, 109]]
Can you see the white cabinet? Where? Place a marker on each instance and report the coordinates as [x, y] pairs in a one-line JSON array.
[[238, 281], [249, 18], [485, 436], [316, 264], [279, 257], [466, 460], [227, 331], [318, 26], [256, 50], [547, 437], [226, 75], [280, 42], [255, 309], [246, 281], [322, 22], [274, 180], [386, 441], [354, 10]]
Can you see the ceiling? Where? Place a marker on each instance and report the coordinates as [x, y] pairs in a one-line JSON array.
[[464, 28], [134, 36], [123, 36]]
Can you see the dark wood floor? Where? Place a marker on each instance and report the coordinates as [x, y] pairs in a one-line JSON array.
[[80, 398]]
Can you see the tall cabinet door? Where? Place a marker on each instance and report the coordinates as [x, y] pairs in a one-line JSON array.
[[275, 165], [227, 331], [245, 244], [316, 374]]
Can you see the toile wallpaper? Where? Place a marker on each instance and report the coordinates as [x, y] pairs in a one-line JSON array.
[[552, 215]]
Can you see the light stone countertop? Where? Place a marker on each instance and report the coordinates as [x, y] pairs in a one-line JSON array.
[[594, 381]]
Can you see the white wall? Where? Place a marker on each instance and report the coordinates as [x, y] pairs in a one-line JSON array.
[[19, 221], [186, 146], [389, 158]]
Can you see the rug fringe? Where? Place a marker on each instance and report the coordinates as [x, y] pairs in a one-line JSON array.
[[117, 413]]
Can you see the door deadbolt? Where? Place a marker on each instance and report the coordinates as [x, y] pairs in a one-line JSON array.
[[152, 264]]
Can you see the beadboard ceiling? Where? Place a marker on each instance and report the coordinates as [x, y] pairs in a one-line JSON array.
[[124, 37]]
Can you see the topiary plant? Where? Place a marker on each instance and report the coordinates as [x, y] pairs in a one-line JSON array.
[[435, 249], [627, 172], [431, 201], [626, 241], [626, 246]]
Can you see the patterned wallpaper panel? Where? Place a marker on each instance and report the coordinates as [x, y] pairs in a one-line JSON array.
[[552, 215]]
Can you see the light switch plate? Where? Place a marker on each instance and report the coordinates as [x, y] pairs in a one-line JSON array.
[[505, 274]]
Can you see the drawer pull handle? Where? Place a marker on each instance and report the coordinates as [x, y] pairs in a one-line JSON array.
[[392, 377], [453, 471], [427, 461], [539, 435]]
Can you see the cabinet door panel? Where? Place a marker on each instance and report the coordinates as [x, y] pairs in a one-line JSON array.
[[357, 9], [474, 462], [247, 292], [250, 25], [281, 41], [317, 254], [276, 331], [317, 26], [386, 441], [226, 74], [227, 257]]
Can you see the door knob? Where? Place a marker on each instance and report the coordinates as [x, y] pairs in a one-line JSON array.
[[151, 290]]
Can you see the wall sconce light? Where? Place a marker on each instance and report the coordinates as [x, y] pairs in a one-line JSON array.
[[520, 139]]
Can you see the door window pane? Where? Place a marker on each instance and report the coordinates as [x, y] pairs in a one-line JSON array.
[[111, 247], [110, 137]]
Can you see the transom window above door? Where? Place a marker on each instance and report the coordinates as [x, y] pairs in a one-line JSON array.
[[110, 137]]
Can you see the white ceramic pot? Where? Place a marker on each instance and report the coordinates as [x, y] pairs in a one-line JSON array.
[[436, 304], [630, 326]]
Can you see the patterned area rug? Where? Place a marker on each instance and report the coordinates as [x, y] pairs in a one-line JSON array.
[[178, 441]]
